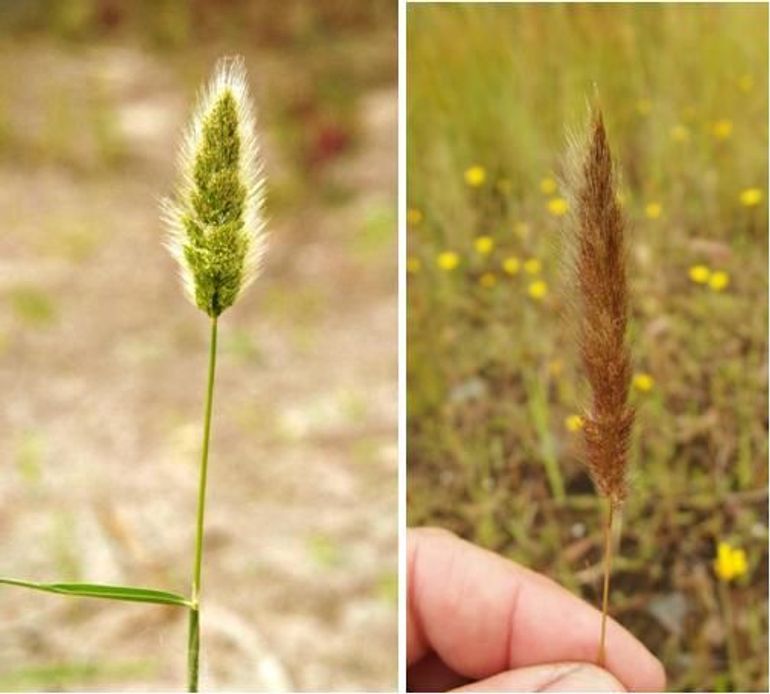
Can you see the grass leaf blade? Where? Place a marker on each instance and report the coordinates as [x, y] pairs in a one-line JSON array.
[[105, 592]]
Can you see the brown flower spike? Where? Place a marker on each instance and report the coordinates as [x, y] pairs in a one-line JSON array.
[[597, 242], [599, 258]]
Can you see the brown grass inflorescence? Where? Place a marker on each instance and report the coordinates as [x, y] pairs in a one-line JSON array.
[[597, 240]]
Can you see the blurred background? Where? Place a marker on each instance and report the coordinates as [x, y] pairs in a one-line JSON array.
[[103, 361], [494, 398]]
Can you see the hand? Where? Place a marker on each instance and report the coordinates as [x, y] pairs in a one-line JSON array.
[[481, 623]]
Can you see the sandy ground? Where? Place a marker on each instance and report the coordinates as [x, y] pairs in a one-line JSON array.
[[102, 367]]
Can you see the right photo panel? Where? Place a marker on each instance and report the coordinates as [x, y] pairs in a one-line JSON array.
[[587, 347]]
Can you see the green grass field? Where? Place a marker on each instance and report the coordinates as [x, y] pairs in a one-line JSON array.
[[494, 393]]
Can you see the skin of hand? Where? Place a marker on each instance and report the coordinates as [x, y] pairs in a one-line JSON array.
[[478, 622]]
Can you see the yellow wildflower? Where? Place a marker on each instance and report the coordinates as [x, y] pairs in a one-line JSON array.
[[699, 274], [532, 266], [488, 280], [643, 106], [574, 423], [484, 245], [680, 133], [730, 562], [558, 207], [537, 289], [448, 260], [751, 197], [475, 176], [746, 83], [643, 382], [719, 281], [548, 185], [413, 265], [413, 216], [722, 129], [511, 265], [653, 210]]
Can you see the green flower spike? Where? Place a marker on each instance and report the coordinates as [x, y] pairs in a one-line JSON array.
[[214, 220]]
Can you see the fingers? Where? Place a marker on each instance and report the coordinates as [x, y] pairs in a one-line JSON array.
[[484, 615], [432, 675], [556, 677]]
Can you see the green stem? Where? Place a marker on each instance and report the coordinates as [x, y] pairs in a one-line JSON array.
[[733, 660], [193, 639]]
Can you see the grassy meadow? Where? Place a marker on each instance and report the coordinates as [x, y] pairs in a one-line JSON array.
[[494, 394]]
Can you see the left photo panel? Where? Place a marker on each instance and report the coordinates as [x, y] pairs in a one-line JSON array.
[[198, 346]]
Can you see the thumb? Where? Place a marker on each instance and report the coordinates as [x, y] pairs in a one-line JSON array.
[[556, 677]]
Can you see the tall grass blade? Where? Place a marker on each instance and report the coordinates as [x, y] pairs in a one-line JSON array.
[[106, 592]]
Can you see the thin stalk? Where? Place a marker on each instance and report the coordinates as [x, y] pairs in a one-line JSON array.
[[600, 657], [193, 638], [733, 660]]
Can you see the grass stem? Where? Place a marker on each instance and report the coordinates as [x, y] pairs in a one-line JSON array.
[[601, 655], [193, 640], [733, 659]]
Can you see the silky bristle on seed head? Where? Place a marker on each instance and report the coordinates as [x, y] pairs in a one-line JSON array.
[[214, 220], [596, 244]]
